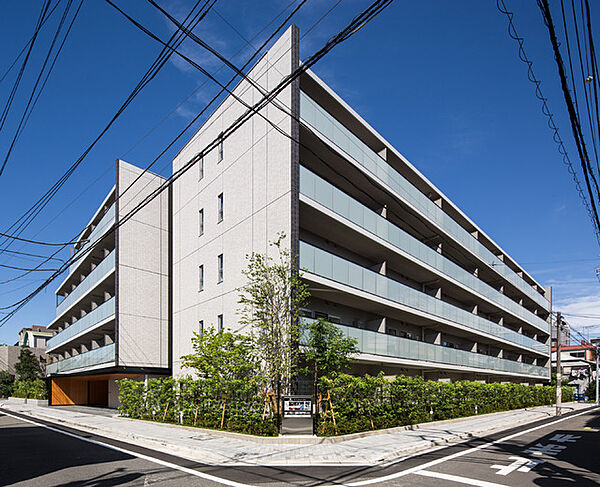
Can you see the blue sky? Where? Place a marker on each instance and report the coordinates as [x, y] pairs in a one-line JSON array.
[[441, 81]]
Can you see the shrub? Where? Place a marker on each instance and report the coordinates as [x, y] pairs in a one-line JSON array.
[[236, 405], [365, 403], [30, 389], [6, 383]]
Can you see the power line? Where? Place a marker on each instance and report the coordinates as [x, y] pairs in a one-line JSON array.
[[31, 39], [362, 19], [285, 109], [32, 102], [512, 32], [575, 125], [17, 82], [177, 37]]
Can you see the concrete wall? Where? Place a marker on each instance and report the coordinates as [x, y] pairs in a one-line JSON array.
[[9, 355], [142, 272], [258, 180]]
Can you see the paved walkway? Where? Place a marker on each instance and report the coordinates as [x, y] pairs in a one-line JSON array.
[[221, 448]]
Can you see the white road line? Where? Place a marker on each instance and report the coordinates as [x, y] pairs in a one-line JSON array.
[[190, 471], [456, 478], [413, 470], [418, 468]]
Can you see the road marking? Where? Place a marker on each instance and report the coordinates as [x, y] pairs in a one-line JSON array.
[[164, 463], [520, 464], [456, 478], [424, 466]]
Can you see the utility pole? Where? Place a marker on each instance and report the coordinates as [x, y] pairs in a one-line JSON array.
[[597, 350], [558, 367]]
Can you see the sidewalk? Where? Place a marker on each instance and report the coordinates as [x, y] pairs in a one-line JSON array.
[[221, 448]]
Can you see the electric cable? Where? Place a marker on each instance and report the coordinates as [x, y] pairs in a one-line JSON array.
[[362, 19], [21, 223], [513, 34], [31, 39], [17, 82], [576, 128], [32, 102]]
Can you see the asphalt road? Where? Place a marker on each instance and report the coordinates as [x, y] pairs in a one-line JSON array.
[[554, 452]]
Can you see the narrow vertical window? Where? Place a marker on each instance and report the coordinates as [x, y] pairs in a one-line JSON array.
[[201, 168], [220, 208], [220, 322], [201, 327], [220, 268], [201, 278], [220, 151], [201, 222]]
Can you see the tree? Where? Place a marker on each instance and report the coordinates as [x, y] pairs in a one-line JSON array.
[[270, 305], [327, 350], [6, 383], [221, 355], [28, 365]]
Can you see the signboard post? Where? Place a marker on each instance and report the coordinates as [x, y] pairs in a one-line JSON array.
[[297, 415]]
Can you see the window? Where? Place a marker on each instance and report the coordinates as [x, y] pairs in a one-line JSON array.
[[201, 278], [201, 327], [201, 222], [220, 322], [220, 268], [220, 150], [220, 208], [201, 168]]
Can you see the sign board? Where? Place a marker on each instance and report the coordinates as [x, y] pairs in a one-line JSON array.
[[297, 415], [294, 407]]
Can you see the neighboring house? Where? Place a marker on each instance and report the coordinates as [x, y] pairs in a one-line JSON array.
[[578, 364], [387, 256], [35, 337], [113, 307]]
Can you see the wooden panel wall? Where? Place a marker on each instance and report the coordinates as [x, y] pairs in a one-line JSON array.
[[69, 390], [98, 392]]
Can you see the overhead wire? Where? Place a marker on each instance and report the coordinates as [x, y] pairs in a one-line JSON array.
[[177, 37], [35, 93], [575, 125], [364, 17], [13, 91], [31, 39], [513, 34]]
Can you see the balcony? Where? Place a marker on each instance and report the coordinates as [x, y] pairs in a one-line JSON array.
[[349, 144], [99, 315], [97, 356], [327, 195], [105, 223], [91, 280], [325, 264], [372, 342]]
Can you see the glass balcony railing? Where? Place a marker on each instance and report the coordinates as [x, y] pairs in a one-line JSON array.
[[101, 313], [97, 356], [325, 264], [375, 343], [107, 265], [105, 223], [318, 118], [319, 190]]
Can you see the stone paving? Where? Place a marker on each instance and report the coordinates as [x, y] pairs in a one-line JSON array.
[[222, 448]]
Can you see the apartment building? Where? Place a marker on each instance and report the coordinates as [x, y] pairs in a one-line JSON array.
[[113, 307], [387, 256]]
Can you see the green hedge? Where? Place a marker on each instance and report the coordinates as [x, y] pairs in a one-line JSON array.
[[365, 403], [30, 389], [202, 403]]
